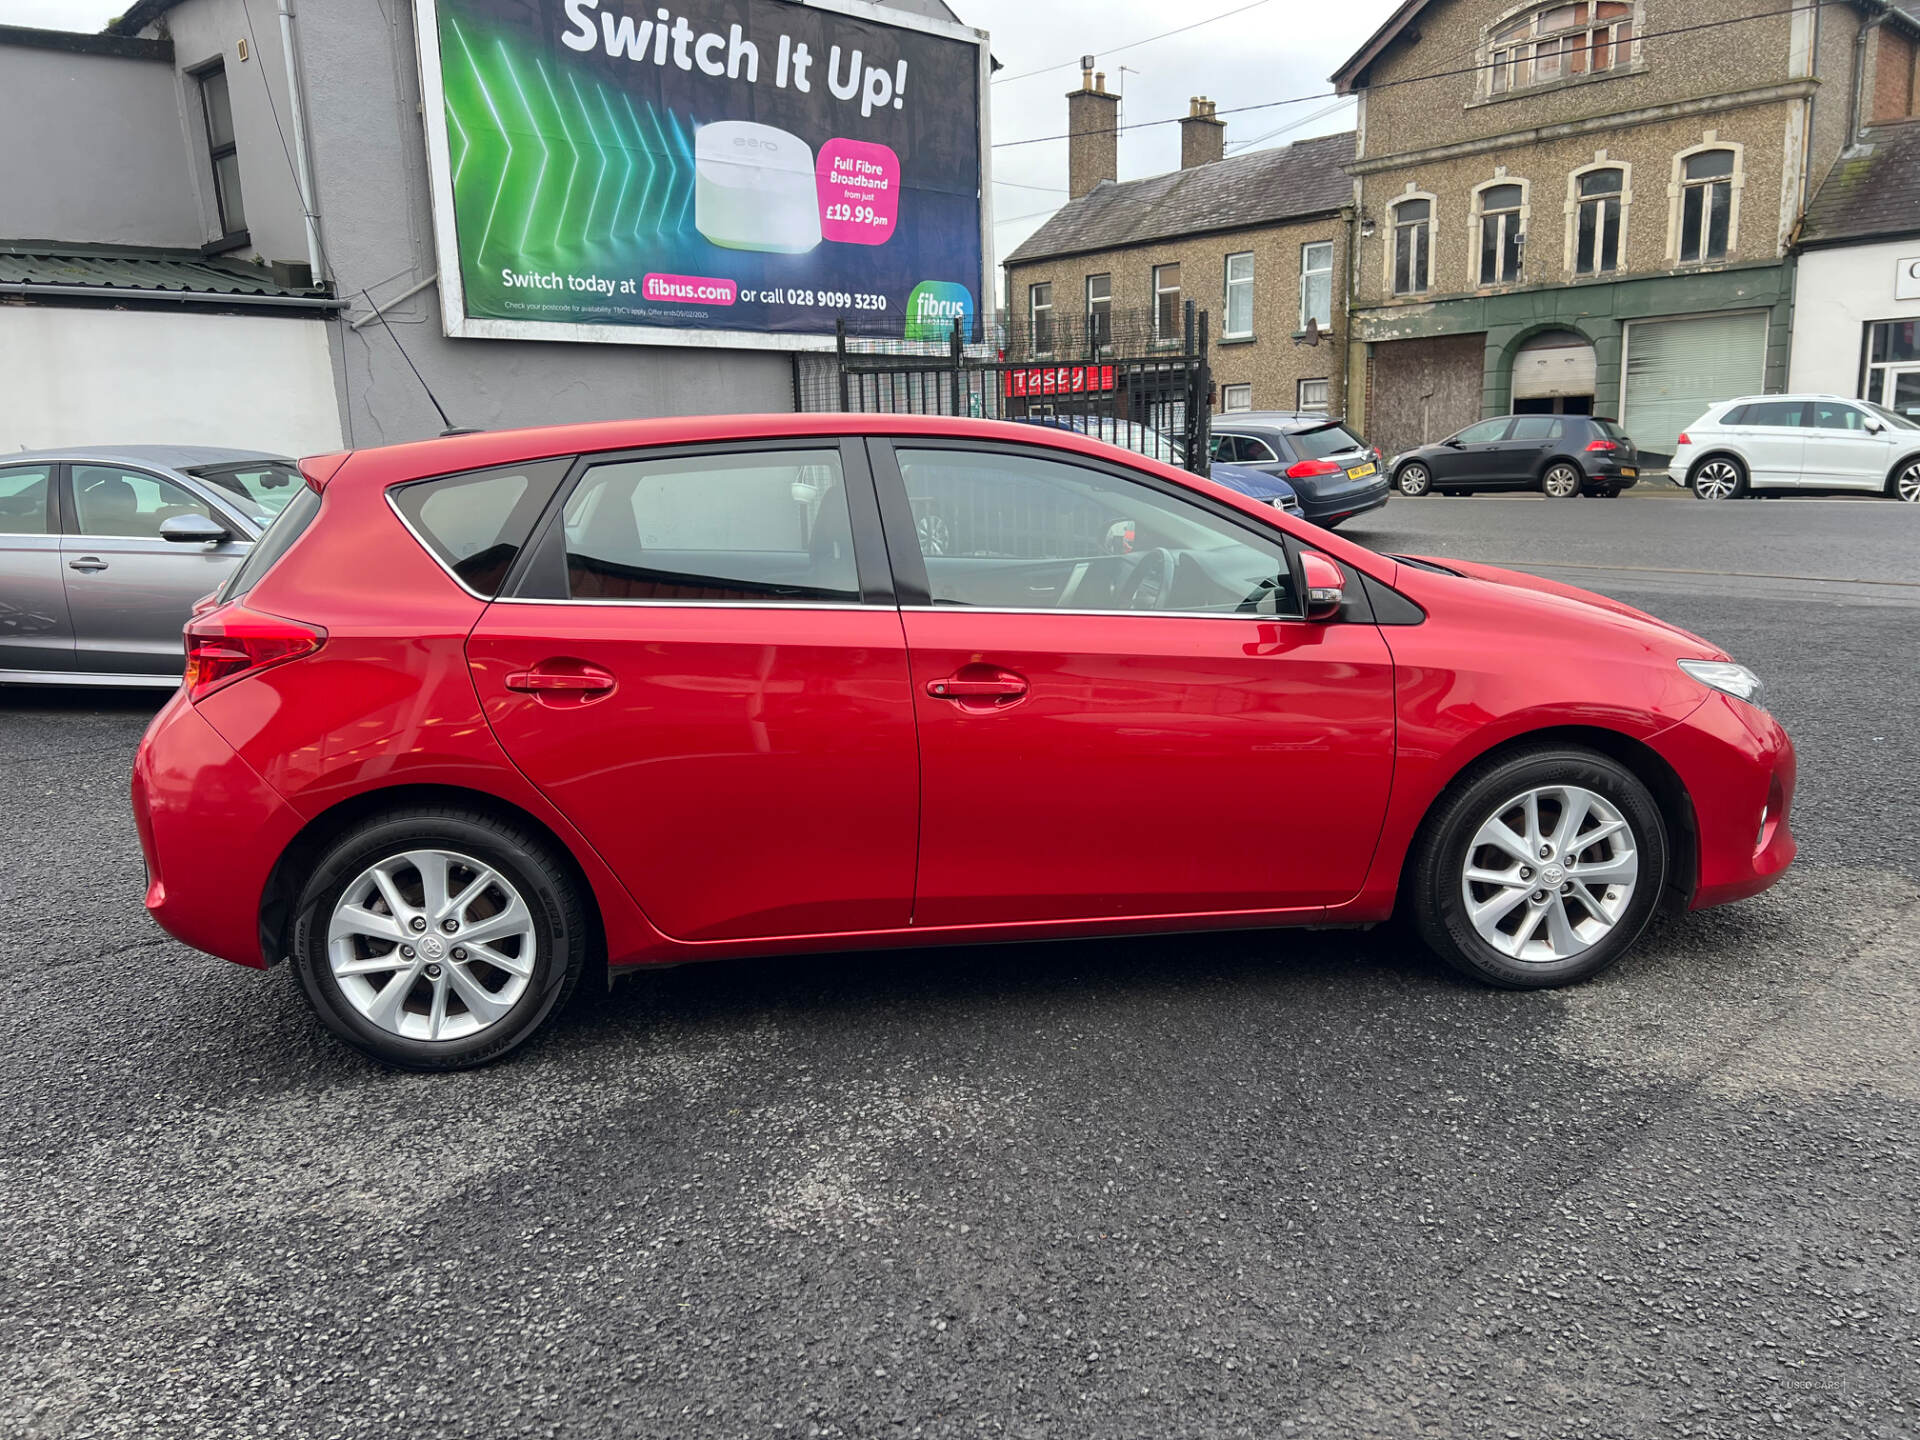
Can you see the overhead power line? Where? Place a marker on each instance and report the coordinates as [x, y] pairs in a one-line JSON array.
[[1131, 44], [1803, 5]]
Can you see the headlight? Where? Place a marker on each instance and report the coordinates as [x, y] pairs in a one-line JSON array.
[[1726, 677]]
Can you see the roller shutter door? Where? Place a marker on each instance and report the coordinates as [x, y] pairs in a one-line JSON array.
[[1677, 369]]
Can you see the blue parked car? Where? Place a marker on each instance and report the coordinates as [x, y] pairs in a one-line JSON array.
[[1144, 440]]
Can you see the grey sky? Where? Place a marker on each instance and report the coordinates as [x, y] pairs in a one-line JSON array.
[[1272, 50]]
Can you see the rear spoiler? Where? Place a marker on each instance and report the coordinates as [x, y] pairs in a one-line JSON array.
[[319, 469]]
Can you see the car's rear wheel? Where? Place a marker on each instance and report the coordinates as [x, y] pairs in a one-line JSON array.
[[1540, 869], [1560, 482], [1905, 482], [1719, 477], [438, 939], [1414, 480]]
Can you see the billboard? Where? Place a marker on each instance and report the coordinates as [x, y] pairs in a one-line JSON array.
[[703, 172]]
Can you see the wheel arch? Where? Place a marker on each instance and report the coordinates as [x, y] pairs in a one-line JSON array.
[[1644, 762], [297, 860], [1540, 472], [1893, 471], [1722, 452]]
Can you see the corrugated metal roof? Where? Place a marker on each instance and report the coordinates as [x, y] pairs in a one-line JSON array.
[[1262, 187], [128, 268], [1873, 190]]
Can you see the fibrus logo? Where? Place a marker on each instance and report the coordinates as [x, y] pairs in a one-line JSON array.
[[933, 307]]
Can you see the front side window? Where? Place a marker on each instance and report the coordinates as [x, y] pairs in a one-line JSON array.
[[1236, 397], [24, 493], [1040, 313], [1706, 206], [1597, 240], [1313, 394], [1500, 236], [476, 522], [1831, 415], [767, 527], [1412, 246], [1167, 325], [216, 108], [131, 503], [1485, 433], [1316, 285], [1558, 42], [1239, 296], [1100, 311], [1023, 532]]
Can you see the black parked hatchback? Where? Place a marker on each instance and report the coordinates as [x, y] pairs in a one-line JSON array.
[[1335, 473], [1559, 455]]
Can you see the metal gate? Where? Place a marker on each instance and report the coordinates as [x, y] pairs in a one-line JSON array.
[[1130, 384]]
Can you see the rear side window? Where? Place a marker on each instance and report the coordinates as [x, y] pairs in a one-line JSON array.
[[1777, 414], [745, 529], [1538, 427], [288, 526], [475, 523], [23, 500]]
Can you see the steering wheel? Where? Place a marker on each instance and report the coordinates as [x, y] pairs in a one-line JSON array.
[[1150, 581]]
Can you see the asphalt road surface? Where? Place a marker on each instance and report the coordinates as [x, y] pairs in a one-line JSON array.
[[1234, 1185]]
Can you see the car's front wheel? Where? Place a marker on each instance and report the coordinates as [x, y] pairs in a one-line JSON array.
[[1414, 480], [1719, 478], [1540, 869], [1560, 482], [438, 939], [1905, 484]]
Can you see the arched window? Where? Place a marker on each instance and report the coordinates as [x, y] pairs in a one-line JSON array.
[[1412, 255], [1557, 42], [1502, 232], [1597, 221], [1706, 205]]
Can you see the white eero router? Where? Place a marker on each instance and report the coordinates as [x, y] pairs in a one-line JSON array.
[[754, 188]]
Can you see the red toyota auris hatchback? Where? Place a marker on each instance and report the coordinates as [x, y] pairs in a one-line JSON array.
[[483, 714]]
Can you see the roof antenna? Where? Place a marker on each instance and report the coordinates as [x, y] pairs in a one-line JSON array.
[[451, 428]]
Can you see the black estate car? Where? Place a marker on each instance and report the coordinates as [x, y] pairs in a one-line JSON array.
[[1559, 455], [1335, 473]]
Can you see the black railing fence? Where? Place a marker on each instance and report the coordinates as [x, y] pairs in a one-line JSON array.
[[1143, 389]]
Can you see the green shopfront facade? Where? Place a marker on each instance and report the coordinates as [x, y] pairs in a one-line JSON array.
[[1663, 347]]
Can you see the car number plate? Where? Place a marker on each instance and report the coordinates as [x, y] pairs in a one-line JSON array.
[[1362, 472], [1629, 472]]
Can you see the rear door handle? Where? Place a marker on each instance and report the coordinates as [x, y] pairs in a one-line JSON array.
[[1000, 688], [87, 562], [575, 682]]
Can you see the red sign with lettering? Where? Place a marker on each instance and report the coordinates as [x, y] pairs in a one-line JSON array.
[[1056, 380]]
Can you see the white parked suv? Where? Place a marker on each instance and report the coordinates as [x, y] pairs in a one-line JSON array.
[[1799, 443]]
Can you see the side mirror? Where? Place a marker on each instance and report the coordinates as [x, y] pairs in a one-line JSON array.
[[1874, 427], [1326, 586], [192, 529], [1454, 442]]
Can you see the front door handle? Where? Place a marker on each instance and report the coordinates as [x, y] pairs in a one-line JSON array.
[[995, 688], [586, 680], [88, 563]]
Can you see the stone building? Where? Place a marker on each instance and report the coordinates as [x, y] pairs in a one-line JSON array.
[[1590, 207], [1258, 241]]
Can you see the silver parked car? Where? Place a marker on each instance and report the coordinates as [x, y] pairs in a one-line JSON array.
[[104, 551]]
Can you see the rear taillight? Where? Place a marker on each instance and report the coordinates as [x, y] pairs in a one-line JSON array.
[[1685, 439], [1307, 469], [1601, 445], [231, 641]]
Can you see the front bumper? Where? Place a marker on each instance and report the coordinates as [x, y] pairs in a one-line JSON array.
[[210, 830], [1739, 768]]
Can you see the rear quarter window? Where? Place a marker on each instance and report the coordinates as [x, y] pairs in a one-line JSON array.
[[476, 522], [288, 526]]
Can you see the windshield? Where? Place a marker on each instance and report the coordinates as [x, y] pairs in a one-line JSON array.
[[1324, 440], [262, 487], [1892, 417]]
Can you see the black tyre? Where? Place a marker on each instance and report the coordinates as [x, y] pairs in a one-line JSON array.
[[1539, 869], [1718, 477], [439, 939], [1904, 483], [1560, 481], [1413, 479]]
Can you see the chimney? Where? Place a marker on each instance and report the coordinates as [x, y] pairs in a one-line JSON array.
[[1203, 137], [1093, 128]]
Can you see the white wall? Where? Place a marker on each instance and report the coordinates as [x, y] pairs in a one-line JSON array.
[[1839, 293], [80, 377]]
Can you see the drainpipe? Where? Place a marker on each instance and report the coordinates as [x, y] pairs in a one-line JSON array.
[[1806, 158], [1856, 115], [302, 159]]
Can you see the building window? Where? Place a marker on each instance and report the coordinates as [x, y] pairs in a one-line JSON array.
[[1596, 246], [1040, 314], [1412, 246], [1893, 366], [1316, 285], [1167, 328], [1558, 42], [1239, 324], [1100, 311], [1502, 209], [217, 109], [1313, 395], [1235, 398], [1706, 205]]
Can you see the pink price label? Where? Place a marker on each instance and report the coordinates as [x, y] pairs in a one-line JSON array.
[[692, 289], [859, 184]]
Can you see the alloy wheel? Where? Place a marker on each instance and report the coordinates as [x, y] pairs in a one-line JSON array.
[[1562, 482], [1716, 480], [1907, 485], [1550, 873], [431, 945], [1414, 480]]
